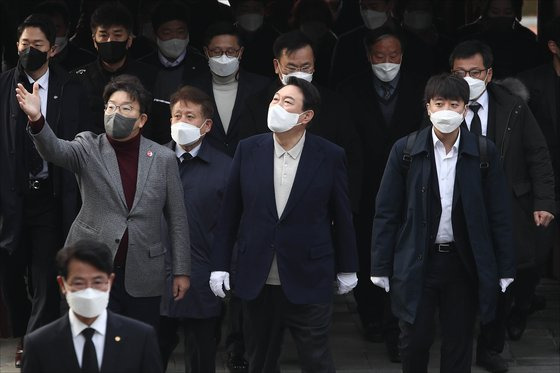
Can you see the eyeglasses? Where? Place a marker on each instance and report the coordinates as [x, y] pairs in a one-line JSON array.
[[473, 73], [292, 69], [230, 52], [98, 284], [123, 109]]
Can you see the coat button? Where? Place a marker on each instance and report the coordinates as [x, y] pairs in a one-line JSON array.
[[423, 189], [420, 257], [117, 240]]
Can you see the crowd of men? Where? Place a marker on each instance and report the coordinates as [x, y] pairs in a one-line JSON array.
[[224, 171]]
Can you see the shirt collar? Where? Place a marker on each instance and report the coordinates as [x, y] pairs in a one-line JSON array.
[[165, 62], [77, 327], [43, 81], [293, 152], [437, 142], [392, 83], [483, 100], [179, 151]]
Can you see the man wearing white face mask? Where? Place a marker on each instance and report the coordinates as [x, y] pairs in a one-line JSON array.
[[497, 112], [442, 233], [203, 170], [286, 207], [89, 338]]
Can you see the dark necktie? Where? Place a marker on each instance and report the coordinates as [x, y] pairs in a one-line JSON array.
[[476, 126], [89, 356], [386, 90], [34, 162]]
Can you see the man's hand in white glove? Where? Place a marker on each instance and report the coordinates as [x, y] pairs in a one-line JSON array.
[[504, 283], [218, 281], [382, 282], [346, 282]]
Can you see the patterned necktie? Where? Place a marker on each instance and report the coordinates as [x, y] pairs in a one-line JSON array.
[[89, 356], [476, 126], [386, 90]]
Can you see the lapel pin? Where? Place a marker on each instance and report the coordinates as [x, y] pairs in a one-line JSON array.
[[149, 153], [55, 97], [117, 339]]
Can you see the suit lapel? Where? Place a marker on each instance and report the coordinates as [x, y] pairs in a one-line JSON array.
[[53, 102], [109, 158], [114, 341], [551, 90], [66, 344], [263, 158], [311, 158], [145, 158], [239, 101]]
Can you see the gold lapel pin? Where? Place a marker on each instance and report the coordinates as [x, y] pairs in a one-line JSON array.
[[117, 339]]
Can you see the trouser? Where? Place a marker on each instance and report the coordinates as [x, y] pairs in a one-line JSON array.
[[447, 288], [269, 314], [200, 342], [28, 275], [234, 343], [145, 309]]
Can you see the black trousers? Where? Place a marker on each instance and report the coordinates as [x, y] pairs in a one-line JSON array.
[[28, 275], [269, 314], [449, 289], [234, 342], [200, 342], [145, 309]]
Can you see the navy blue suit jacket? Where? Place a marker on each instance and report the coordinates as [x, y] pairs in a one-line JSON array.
[[314, 237]]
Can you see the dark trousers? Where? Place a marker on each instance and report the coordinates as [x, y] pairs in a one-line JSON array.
[[492, 336], [269, 314], [449, 289], [234, 343], [145, 309], [28, 275], [200, 342]]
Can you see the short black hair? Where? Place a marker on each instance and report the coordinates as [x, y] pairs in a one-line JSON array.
[[133, 87], [94, 253], [447, 86], [516, 5], [373, 36], [221, 28], [166, 11], [43, 23], [290, 41], [53, 8], [111, 14], [311, 10], [311, 96], [551, 31], [470, 48], [196, 96]]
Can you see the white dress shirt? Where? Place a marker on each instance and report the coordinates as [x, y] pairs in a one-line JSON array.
[[285, 168], [179, 151], [482, 113], [165, 62], [98, 338], [44, 95], [445, 166]]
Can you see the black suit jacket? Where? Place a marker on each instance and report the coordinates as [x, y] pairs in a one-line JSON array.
[[130, 346], [249, 84]]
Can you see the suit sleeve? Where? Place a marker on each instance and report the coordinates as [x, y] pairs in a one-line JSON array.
[[71, 155], [151, 359], [498, 209], [176, 217], [31, 362], [539, 164], [388, 214], [344, 233], [230, 216]]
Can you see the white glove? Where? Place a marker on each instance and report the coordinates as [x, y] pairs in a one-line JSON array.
[[346, 282], [504, 283], [218, 281], [382, 282]]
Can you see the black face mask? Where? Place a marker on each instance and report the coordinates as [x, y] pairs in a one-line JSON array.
[[112, 51], [501, 24], [32, 59]]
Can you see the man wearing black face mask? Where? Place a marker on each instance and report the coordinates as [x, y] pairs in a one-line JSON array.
[[38, 201], [111, 27]]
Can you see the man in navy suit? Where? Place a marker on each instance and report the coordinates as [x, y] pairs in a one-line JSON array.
[[89, 338], [286, 206]]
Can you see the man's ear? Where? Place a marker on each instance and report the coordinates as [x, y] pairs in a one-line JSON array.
[[111, 279], [307, 116], [143, 119], [240, 53], [208, 124], [489, 74], [553, 47], [60, 281]]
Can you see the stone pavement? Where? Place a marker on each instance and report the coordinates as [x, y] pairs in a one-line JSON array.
[[538, 351]]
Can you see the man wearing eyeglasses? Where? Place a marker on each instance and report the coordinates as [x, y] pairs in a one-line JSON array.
[[127, 183], [89, 338], [496, 111]]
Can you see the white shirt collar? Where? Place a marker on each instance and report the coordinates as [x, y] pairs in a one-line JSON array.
[[293, 152], [437, 142], [43, 80], [165, 62], [179, 151], [76, 326], [483, 100]]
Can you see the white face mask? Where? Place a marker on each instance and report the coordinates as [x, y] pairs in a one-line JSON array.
[[88, 302], [280, 120], [223, 65], [476, 87], [386, 71], [60, 42], [185, 134], [417, 19], [172, 48], [250, 21], [373, 19], [446, 121], [297, 74]]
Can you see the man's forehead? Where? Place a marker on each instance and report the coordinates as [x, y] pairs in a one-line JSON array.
[[303, 54], [388, 42], [290, 91], [473, 61], [186, 106], [111, 28], [33, 33]]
